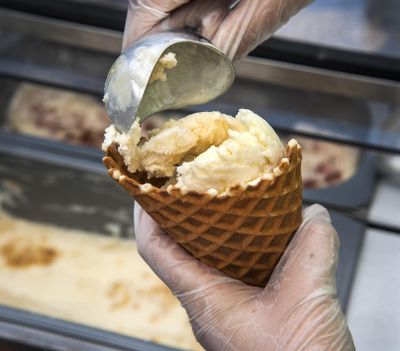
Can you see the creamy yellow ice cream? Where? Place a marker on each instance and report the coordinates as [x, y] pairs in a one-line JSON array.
[[168, 61], [203, 152], [89, 279]]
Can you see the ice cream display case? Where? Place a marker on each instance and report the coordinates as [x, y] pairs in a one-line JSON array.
[[54, 58]]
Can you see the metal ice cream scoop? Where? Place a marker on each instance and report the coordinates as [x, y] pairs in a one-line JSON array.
[[202, 73]]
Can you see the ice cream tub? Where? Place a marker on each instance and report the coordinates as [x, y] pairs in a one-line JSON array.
[[336, 174], [53, 113], [67, 244]]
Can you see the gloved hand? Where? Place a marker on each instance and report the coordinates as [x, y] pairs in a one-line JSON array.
[[236, 27], [298, 309]]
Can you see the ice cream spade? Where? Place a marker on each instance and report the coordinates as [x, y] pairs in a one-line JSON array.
[[201, 74]]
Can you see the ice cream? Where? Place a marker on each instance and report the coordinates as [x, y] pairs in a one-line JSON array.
[[168, 61], [90, 279], [57, 114], [203, 152], [326, 164]]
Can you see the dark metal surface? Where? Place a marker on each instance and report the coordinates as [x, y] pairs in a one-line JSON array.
[[53, 334], [28, 59], [333, 59], [351, 234], [102, 13], [60, 31], [62, 187], [16, 346]]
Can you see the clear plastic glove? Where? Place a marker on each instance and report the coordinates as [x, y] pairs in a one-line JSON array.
[[298, 309], [236, 27]]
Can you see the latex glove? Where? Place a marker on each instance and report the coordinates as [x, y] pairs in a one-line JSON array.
[[298, 309], [236, 30]]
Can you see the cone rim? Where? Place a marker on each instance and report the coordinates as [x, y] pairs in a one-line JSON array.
[[118, 171]]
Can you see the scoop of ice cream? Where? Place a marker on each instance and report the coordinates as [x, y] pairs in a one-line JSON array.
[[204, 151], [245, 156], [177, 141], [168, 61], [128, 145]]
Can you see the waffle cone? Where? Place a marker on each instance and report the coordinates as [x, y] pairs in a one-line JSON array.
[[242, 234]]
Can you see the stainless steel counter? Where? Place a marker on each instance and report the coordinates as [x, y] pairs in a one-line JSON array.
[[374, 310], [374, 307]]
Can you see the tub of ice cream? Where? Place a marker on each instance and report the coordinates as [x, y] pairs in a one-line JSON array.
[[66, 244], [332, 171], [54, 113]]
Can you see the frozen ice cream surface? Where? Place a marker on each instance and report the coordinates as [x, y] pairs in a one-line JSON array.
[[57, 114], [128, 145], [176, 141], [203, 152], [243, 157]]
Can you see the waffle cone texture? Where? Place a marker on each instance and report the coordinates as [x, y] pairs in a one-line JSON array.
[[242, 233]]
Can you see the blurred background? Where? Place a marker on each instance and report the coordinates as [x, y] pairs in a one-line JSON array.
[[330, 78]]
